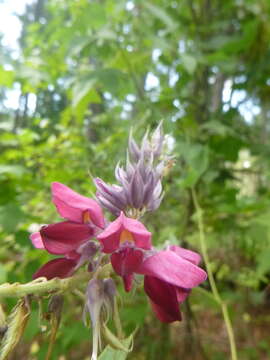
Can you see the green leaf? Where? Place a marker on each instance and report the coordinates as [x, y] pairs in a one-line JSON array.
[[10, 216], [6, 77], [3, 274], [16, 170], [189, 63], [112, 354], [81, 88], [162, 15]]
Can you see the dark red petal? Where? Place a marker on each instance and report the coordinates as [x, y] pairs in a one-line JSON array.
[[164, 297], [64, 237], [163, 315], [61, 268], [126, 261], [128, 280]]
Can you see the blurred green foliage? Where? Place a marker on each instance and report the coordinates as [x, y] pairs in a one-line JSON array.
[[87, 72]]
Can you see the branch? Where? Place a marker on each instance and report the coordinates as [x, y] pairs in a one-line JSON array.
[[216, 295]]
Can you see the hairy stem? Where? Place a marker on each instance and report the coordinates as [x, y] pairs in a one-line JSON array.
[[41, 286], [211, 278]]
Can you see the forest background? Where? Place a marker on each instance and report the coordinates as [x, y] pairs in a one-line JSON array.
[[85, 72]]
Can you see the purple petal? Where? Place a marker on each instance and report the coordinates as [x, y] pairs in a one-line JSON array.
[[133, 148], [136, 189], [107, 205], [149, 189], [64, 237], [61, 268], [171, 268]]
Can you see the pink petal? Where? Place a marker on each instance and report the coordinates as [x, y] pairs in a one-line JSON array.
[[110, 237], [37, 240], [61, 268], [141, 235], [171, 268], [182, 294], [189, 255], [72, 205], [163, 299], [64, 237], [125, 262]]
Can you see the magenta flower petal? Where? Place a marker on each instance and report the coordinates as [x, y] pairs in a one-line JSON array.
[[64, 237], [141, 235], [61, 268], [125, 262], [37, 240], [163, 298], [128, 281], [163, 315], [110, 237], [171, 268], [73, 206], [182, 294], [133, 231], [189, 255]]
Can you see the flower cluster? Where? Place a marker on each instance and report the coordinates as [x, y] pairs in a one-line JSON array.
[[139, 186], [85, 237]]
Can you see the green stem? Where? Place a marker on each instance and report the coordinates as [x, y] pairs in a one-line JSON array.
[[211, 278], [117, 321], [41, 286]]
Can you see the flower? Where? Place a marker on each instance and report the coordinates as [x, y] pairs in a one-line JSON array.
[[84, 219], [75, 207], [169, 277], [100, 295], [125, 238], [139, 186], [124, 231]]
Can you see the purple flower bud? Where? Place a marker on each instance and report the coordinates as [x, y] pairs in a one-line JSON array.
[[99, 294], [87, 252], [139, 186]]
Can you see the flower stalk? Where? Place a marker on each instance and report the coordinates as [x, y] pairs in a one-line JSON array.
[[214, 289], [41, 286]]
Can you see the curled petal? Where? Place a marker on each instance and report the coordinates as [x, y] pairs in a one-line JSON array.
[[64, 237], [72, 206], [171, 268], [37, 240], [61, 268], [163, 298]]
